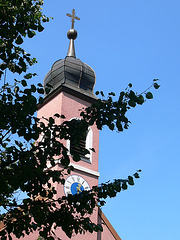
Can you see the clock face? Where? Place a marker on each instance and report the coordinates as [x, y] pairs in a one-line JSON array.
[[75, 184]]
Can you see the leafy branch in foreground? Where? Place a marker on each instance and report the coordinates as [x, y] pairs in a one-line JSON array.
[[70, 213], [113, 113], [19, 19]]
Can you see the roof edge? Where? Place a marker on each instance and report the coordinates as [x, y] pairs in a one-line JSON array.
[[108, 224]]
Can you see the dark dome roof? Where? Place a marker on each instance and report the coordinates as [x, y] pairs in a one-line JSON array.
[[72, 73]]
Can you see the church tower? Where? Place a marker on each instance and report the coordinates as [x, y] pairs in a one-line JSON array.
[[72, 83]]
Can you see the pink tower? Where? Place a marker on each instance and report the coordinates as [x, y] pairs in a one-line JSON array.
[[72, 84]]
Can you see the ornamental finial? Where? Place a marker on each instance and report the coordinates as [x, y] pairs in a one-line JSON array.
[[72, 34]]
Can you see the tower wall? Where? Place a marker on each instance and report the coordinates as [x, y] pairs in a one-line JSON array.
[[70, 106]]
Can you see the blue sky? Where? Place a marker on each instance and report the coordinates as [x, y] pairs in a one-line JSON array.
[[129, 41]]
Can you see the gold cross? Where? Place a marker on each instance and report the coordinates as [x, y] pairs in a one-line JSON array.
[[73, 17]]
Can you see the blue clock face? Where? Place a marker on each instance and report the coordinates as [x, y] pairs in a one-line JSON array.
[[76, 188], [75, 184]]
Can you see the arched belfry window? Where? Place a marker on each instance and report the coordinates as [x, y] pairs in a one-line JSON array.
[[80, 147], [84, 143]]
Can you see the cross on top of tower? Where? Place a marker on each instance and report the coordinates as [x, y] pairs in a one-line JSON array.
[[73, 17]]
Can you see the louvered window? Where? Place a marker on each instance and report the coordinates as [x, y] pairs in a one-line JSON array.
[[78, 147], [82, 146]]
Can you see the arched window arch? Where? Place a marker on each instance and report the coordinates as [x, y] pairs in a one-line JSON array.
[[86, 144]]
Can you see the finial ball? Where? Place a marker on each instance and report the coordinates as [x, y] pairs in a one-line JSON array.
[[72, 34]]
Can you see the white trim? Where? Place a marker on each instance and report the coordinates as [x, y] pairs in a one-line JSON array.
[[89, 139], [84, 169], [77, 167]]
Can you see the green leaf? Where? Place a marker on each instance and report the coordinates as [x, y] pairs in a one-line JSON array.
[[130, 85], [156, 86], [140, 99], [31, 34], [57, 115], [149, 95], [41, 100], [24, 83], [40, 28], [112, 94], [92, 149], [102, 94], [51, 120], [64, 162], [33, 88], [97, 92], [47, 90], [28, 76], [40, 90], [19, 40], [119, 126], [136, 175], [132, 103], [8, 90], [124, 186], [130, 180], [76, 157]]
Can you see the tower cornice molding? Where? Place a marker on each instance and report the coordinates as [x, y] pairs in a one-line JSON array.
[[73, 91]]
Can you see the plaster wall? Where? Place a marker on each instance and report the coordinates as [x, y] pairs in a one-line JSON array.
[[70, 107]]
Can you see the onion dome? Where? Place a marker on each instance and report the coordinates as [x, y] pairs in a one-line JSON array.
[[71, 72]]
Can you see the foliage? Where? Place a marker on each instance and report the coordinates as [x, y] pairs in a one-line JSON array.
[[19, 18], [29, 144]]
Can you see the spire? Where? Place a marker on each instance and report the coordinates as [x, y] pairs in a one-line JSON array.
[[72, 34]]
